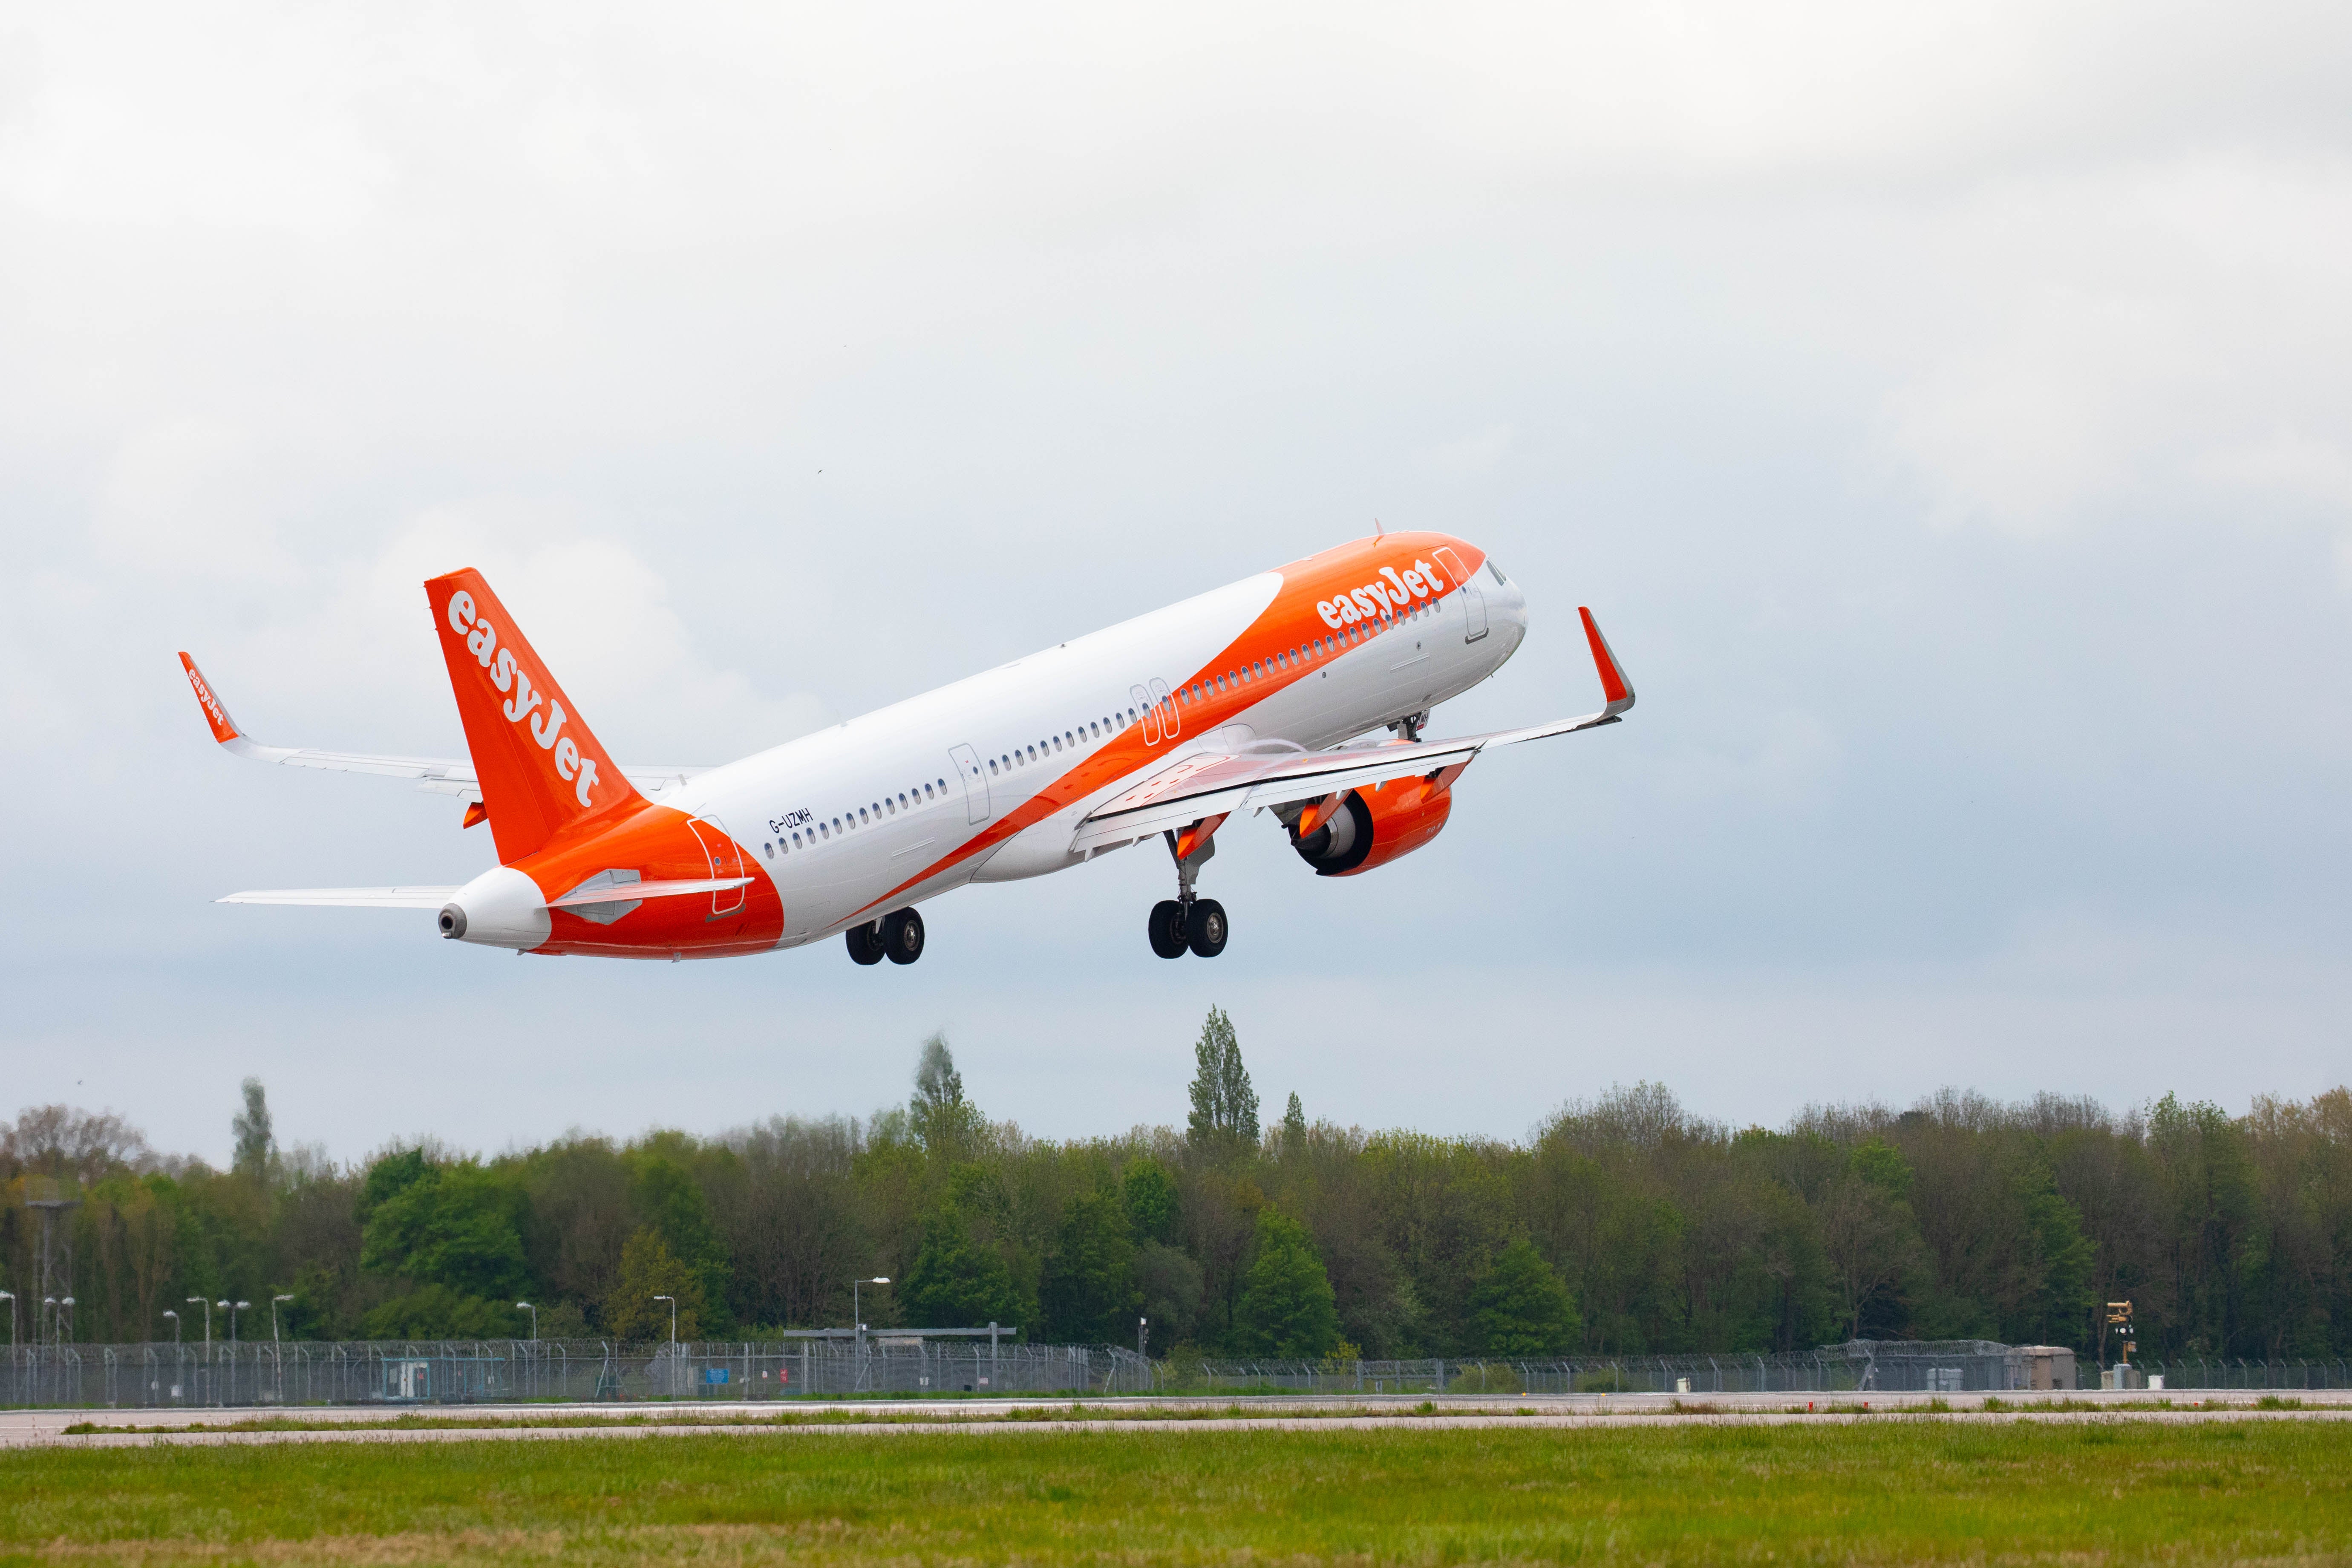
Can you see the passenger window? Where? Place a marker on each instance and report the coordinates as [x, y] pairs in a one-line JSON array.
[[771, 849], [991, 765]]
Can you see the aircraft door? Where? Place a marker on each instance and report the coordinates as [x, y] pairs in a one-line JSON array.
[[1149, 715], [1170, 728], [726, 860], [1474, 603], [975, 782]]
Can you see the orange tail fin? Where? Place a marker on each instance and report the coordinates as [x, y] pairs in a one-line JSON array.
[[539, 769]]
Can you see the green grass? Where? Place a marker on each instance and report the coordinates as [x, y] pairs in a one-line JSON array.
[[1864, 1491]]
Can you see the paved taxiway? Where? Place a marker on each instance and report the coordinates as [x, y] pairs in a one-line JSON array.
[[516, 1422]]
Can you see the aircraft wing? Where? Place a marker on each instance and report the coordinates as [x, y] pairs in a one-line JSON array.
[[1211, 783], [443, 775]]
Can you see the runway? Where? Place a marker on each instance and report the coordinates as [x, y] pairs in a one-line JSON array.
[[516, 1423]]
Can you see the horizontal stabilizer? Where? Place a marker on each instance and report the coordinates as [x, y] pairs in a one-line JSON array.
[[434, 898], [347, 898], [629, 892]]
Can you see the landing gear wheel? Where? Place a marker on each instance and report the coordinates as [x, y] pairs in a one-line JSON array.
[[1167, 928], [865, 942], [902, 936], [1207, 929]]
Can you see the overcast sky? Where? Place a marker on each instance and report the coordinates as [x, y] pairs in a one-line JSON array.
[[1945, 408]]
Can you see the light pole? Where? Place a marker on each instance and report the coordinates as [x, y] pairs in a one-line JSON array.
[[10, 1298], [276, 1348], [67, 1316], [176, 1326], [46, 1332], [233, 1307], [1140, 1325], [673, 1340], [534, 1317], [857, 1313], [207, 1305]]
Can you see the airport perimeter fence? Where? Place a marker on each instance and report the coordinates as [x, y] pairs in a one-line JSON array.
[[1964, 1366], [472, 1371], [834, 1365]]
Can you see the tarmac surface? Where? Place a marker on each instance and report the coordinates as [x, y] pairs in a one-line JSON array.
[[1170, 1414]]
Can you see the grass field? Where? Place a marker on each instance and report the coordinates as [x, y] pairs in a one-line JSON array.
[[1881, 1491]]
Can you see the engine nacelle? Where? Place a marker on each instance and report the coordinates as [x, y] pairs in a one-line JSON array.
[[1372, 827]]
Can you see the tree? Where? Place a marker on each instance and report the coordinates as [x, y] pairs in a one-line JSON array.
[[1169, 1283], [648, 1269], [457, 1225], [1294, 1126], [956, 1281], [1153, 1212], [1224, 1105], [437, 1312], [946, 1124], [667, 1197], [1287, 1307], [1088, 1294], [1870, 1242], [256, 1145], [1520, 1307]]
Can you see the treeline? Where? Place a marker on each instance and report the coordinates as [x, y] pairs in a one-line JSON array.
[[1623, 1225]]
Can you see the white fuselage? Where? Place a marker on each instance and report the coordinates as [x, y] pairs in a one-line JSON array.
[[824, 814]]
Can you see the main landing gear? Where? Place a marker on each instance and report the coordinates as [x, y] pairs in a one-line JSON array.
[[1187, 924], [897, 937]]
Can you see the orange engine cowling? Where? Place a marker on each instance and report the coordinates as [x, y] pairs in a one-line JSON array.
[[1373, 827]]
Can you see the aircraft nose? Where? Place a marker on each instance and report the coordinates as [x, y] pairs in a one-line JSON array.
[[1515, 604]]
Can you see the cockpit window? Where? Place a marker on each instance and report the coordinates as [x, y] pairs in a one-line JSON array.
[[1497, 570]]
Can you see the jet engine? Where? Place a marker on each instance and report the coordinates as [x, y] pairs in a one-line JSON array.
[[1372, 827]]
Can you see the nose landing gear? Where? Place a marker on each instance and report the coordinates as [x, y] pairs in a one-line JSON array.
[[1187, 922]]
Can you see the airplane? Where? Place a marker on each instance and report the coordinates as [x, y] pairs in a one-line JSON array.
[[1269, 695]]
